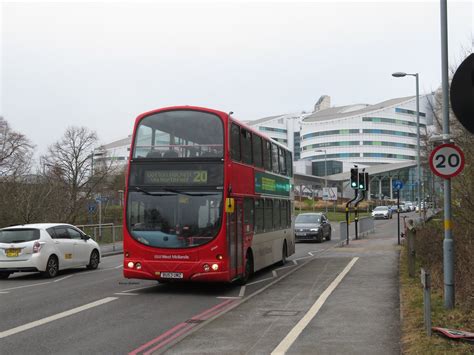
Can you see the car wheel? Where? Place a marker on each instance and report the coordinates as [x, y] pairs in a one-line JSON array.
[[284, 253], [4, 275], [94, 260], [248, 271], [320, 238], [329, 235], [52, 267]]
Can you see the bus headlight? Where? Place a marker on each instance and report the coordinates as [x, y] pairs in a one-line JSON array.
[[215, 267], [138, 266], [131, 265], [206, 267]]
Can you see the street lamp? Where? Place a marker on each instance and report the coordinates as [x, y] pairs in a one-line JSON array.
[[418, 185], [325, 171]]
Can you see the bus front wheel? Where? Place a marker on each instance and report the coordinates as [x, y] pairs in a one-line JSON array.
[[248, 270]]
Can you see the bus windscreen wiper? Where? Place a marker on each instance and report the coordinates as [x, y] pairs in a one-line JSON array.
[[151, 193], [191, 194]]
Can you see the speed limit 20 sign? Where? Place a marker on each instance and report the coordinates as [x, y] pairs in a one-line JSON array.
[[447, 160]]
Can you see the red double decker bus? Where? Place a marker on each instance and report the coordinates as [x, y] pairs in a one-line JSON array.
[[207, 198]]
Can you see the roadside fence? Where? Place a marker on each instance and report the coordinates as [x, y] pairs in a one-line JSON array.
[[105, 233]]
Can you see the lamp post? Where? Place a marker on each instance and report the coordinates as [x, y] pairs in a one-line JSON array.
[[325, 172], [418, 185]]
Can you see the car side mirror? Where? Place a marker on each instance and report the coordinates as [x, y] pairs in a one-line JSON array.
[[86, 237]]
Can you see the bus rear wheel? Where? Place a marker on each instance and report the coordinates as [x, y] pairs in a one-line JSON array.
[[284, 253]]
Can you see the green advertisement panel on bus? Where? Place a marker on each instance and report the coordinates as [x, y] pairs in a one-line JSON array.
[[271, 184]]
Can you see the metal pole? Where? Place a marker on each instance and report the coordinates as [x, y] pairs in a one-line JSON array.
[[100, 217], [398, 214], [448, 243], [418, 141], [325, 177]]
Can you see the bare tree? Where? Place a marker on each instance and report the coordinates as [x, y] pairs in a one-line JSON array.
[[15, 151], [68, 166]]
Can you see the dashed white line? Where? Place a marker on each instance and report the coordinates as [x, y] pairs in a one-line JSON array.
[[63, 278], [139, 288], [274, 273], [18, 287], [242, 291], [118, 267], [4, 292], [52, 318], [262, 280], [229, 298], [301, 325], [126, 294]]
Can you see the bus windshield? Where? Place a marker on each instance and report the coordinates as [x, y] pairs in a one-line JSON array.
[[174, 218], [179, 134]]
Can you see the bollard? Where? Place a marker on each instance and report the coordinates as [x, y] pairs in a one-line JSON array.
[[113, 237], [426, 282], [411, 232]]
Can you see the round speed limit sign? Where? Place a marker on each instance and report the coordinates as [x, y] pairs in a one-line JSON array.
[[447, 160]]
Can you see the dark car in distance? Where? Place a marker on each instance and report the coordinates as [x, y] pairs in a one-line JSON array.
[[312, 227]]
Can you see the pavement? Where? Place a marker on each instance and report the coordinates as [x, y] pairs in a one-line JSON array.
[[310, 313]]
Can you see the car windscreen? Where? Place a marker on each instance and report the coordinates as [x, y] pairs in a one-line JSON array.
[[381, 208], [19, 235], [308, 218]]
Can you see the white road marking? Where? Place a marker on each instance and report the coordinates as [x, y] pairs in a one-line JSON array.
[[274, 273], [301, 325], [63, 278], [295, 261], [139, 288], [229, 298], [283, 267], [257, 282], [52, 318], [126, 294], [1, 292], [242, 291], [18, 287], [118, 267]]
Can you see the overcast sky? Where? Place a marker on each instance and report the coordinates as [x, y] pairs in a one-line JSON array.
[[100, 64]]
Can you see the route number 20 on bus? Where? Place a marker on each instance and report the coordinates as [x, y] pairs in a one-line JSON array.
[[207, 198]]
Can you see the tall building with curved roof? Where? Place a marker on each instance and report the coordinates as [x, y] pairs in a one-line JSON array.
[[363, 134]]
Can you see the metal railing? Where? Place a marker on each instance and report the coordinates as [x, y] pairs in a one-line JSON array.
[[366, 226], [105, 233]]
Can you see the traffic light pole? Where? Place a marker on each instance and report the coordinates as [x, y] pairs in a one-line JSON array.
[[347, 215], [356, 219]]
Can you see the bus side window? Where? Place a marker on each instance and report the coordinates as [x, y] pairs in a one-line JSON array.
[[246, 145], [289, 164], [284, 213], [275, 168], [235, 142], [268, 212], [248, 215], [259, 226], [276, 214], [267, 155], [281, 159], [257, 150]]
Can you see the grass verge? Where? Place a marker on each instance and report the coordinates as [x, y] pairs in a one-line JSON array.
[[414, 338]]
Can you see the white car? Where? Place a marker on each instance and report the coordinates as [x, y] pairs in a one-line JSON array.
[[382, 212], [47, 248]]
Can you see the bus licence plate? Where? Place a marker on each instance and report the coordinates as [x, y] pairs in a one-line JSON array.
[[301, 234], [172, 275]]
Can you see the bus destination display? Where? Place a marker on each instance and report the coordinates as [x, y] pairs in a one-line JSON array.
[[175, 177]]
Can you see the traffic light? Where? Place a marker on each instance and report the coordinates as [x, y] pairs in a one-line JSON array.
[[355, 178], [362, 181]]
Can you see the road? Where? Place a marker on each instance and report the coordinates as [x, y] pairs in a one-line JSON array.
[[99, 311]]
